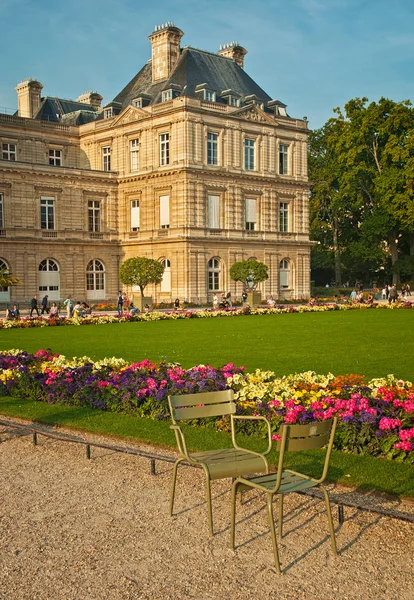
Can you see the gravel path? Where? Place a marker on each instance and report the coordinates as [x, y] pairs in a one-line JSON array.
[[73, 529]]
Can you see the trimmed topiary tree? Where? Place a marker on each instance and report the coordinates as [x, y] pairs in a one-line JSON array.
[[249, 272], [141, 271]]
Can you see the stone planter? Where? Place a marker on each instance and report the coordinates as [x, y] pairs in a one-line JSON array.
[[140, 302], [254, 299]]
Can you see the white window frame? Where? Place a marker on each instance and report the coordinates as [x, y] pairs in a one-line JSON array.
[[166, 276], [94, 216], [284, 274], [284, 217], [4, 291], [249, 154], [251, 214], [283, 159], [233, 101], [209, 96], [134, 155], [106, 158], [164, 212], [213, 211], [164, 140], [137, 102], [214, 274], [108, 113], [1, 210], [47, 213], [135, 215], [95, 278], [55, 157], [9, 151], [166, 95], [212, 148]]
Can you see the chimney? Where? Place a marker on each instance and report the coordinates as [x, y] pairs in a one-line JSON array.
[[233, 51], [92, 98], [28, 97], [165, 42]]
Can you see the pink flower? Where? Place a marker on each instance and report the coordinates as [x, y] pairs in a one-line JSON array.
[[406, 446], [406, 434], [387, 423], [276, 437], [102, 384]]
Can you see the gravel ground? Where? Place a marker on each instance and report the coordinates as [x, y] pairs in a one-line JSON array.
[[73, 529]]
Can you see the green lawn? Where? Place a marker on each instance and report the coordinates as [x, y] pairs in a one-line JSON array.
[[369, 342]]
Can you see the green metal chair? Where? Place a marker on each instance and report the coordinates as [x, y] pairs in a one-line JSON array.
[[217, 464], [284, 481]]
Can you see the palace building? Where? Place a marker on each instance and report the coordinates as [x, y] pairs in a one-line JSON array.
[[191, 164]]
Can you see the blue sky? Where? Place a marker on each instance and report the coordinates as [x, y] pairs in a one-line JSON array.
[[313, 55]]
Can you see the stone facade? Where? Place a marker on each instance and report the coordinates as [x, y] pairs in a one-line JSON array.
[[193, 181]]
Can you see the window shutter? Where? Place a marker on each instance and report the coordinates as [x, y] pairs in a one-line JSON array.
[[135, 215], [164, 212], [214, 212], [250, 210]]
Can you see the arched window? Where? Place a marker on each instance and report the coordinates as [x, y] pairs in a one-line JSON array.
[[166, 276], [49, 278], [95, 280], [214, 274], [4, 291], [284, 274]]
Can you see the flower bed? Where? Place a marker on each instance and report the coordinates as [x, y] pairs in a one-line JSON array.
[[376, 417], [102, 319]]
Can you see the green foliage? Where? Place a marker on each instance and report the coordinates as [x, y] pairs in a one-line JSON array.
[[7, 279], [249, 272], [141, 271]]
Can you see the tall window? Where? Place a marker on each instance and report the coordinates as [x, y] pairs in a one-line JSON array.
[[249, 154], [55, 158], [9, 152], [47, 213], [135, 216], [284, 274], [214, 274], [213, 212], [49, 278], [212, 149], [164, 212], [166, 95], [94, 215], [95, 276], [284, 216], [209, 95], [283, 159], [166, 276], [251, 216], [1, 211], [164, 149], [134, 154], [106, 158], [4, 291]]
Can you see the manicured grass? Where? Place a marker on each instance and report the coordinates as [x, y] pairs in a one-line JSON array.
[[364, 473], [369, 342]]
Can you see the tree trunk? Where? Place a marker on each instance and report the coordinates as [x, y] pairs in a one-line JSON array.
[[394, 255], [337, 253]]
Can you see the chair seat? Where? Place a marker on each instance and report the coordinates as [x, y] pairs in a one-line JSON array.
[[291, 482], [230, 462]]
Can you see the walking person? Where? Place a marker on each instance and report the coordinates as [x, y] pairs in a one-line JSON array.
[[45, 305], [120, 303], [393, 294], [69, 306], [244, 297], [34, 305]]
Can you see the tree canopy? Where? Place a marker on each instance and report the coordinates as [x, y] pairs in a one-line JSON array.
[[361, 167], [249, 272], [141, 271], [7, 279]]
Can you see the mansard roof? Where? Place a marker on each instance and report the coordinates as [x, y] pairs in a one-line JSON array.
[[70, 112], [194, 67]]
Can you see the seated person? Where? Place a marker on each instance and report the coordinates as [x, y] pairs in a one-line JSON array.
[[78, 310], [54, 311], [270, 301], [132, 310], [86, 308], [13, 313]]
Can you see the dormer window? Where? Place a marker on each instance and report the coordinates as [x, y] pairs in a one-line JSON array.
[[137, 102], [233, 101], [166, 95], [209, 96], [108, 113]]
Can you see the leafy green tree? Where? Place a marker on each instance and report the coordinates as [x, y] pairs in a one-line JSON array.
[[7, 279], [249, 272], [141, 271]]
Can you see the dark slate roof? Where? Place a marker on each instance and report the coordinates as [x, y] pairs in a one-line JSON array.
[[55, 109], [193, 68]]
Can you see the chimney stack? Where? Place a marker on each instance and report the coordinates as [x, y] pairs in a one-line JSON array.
[[92, 98], [233, 51], [28, 97], [165, 42]]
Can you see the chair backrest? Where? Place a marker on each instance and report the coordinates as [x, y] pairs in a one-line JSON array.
[[199, 406]]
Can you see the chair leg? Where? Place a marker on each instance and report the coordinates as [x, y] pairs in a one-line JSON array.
[[209, 507], [280, 515], [273, 532], [174, 479], [233, 515], [331, 525]]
